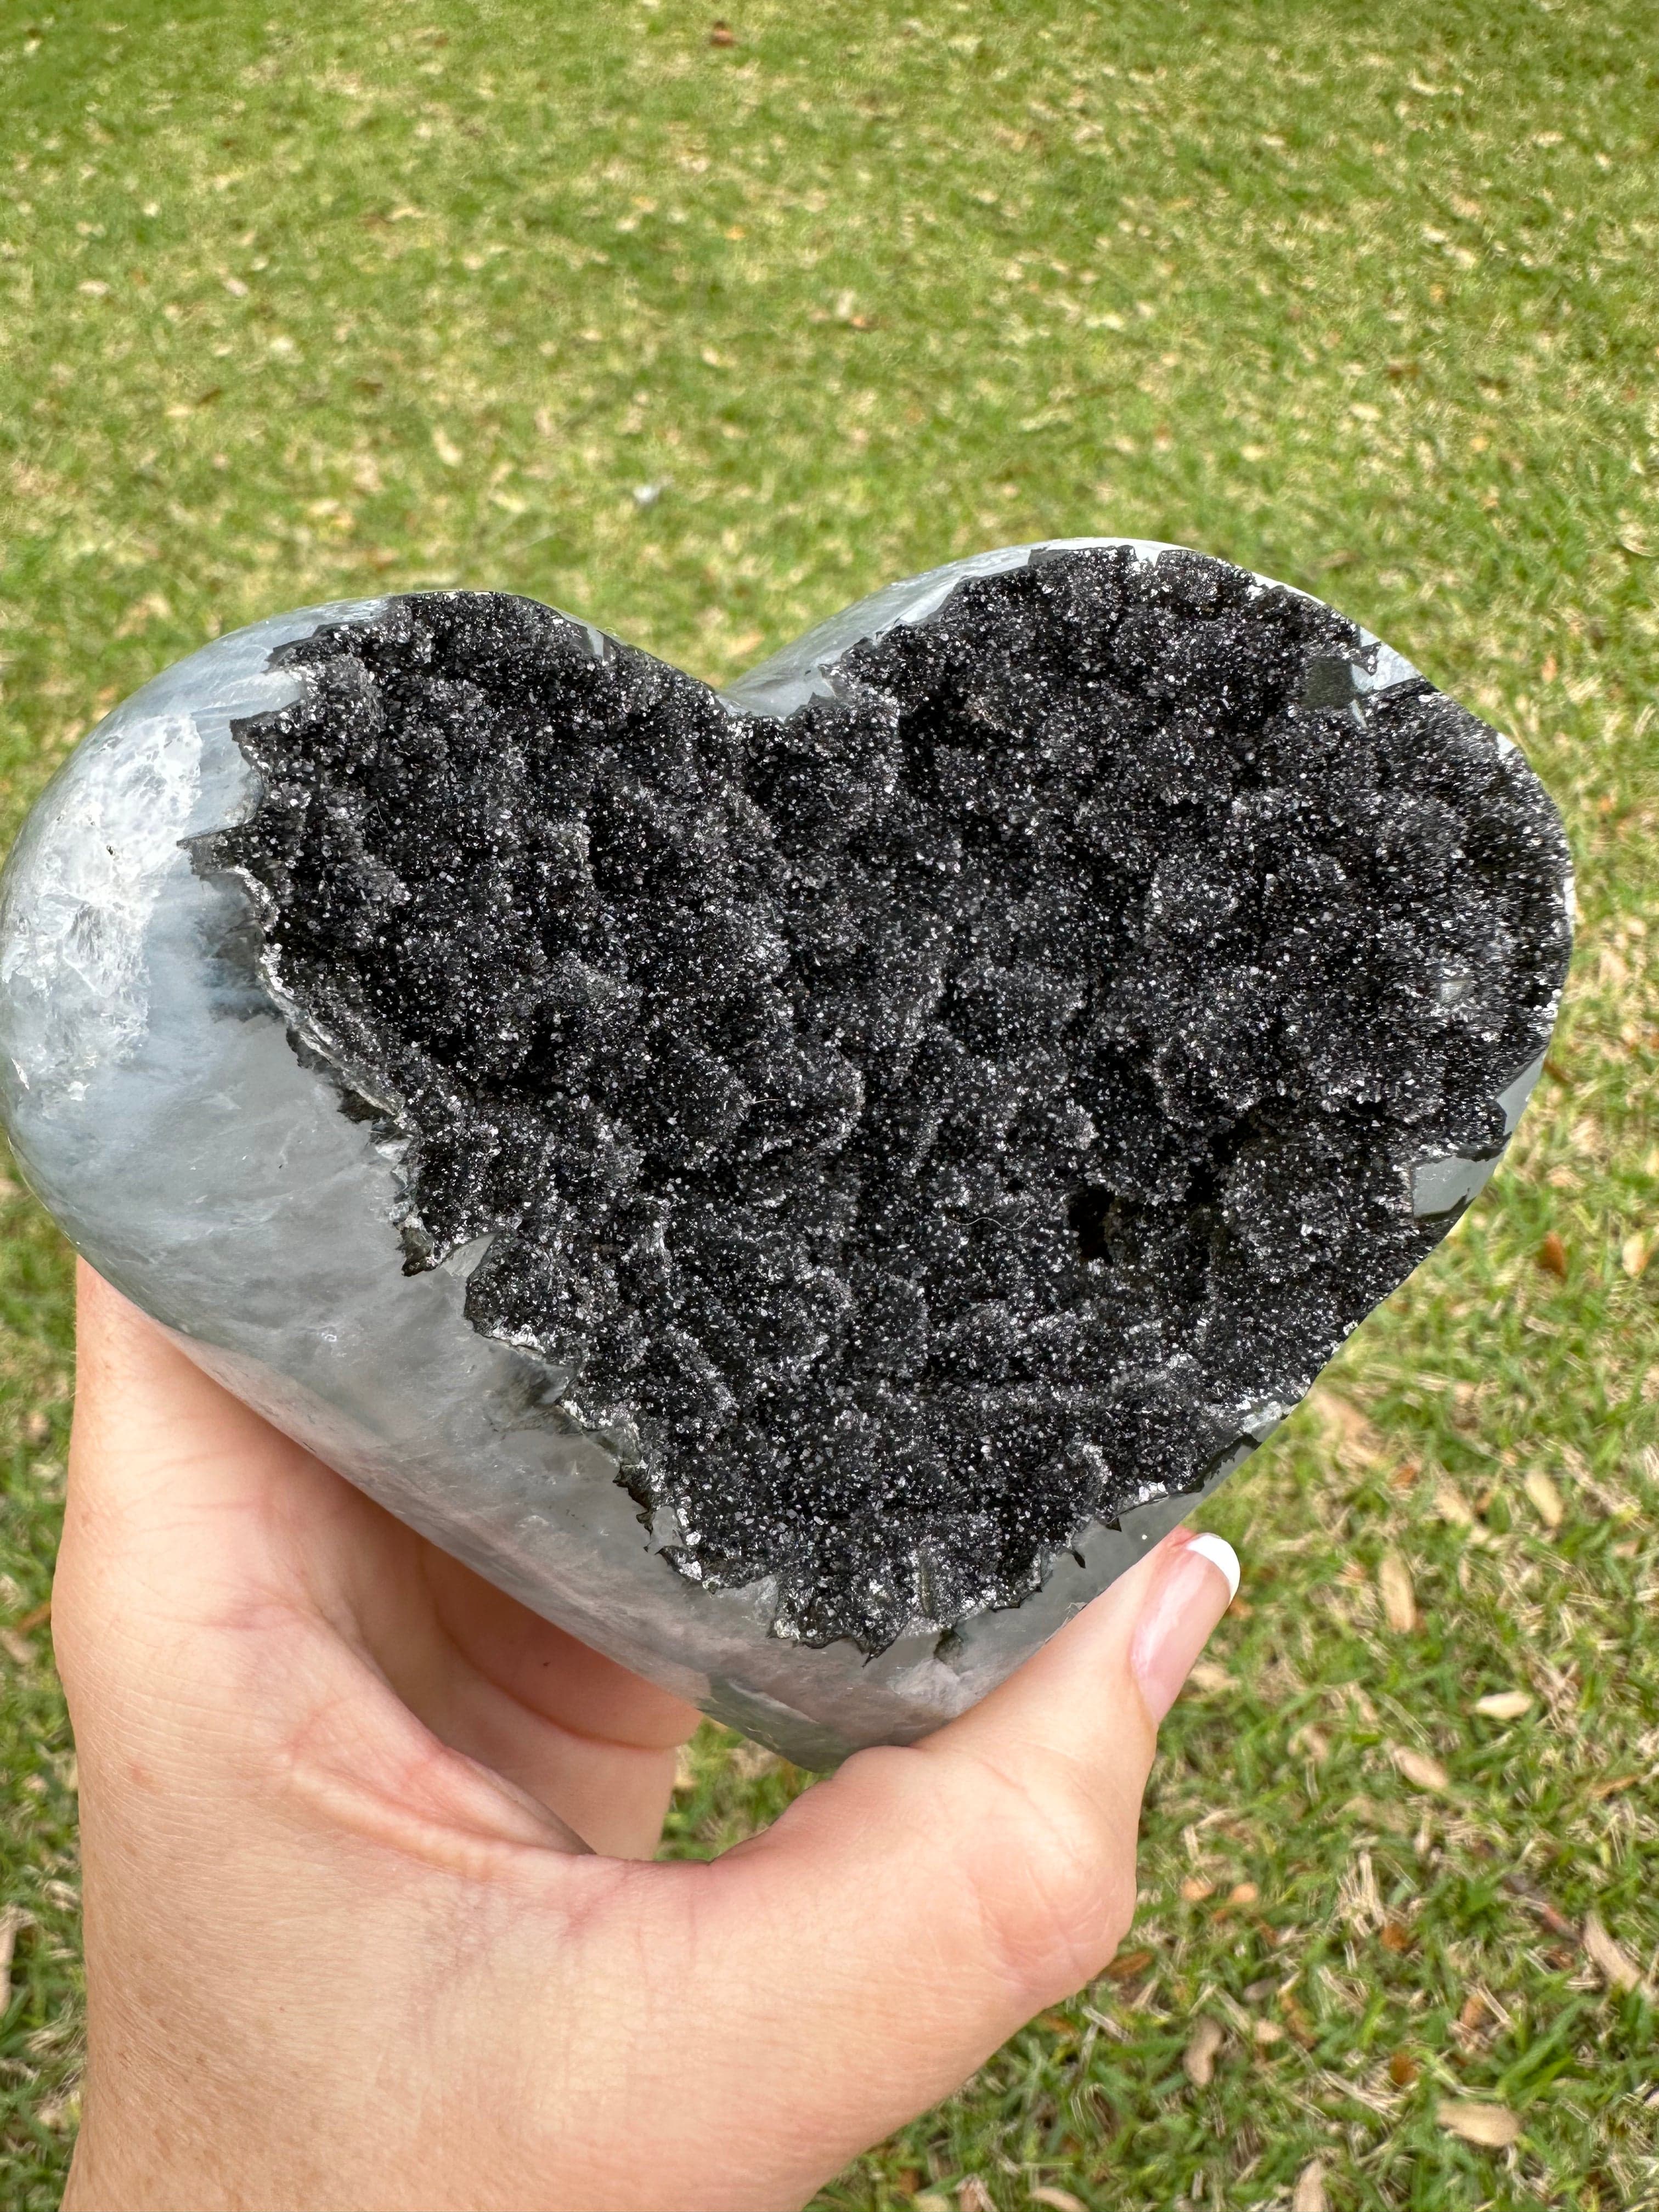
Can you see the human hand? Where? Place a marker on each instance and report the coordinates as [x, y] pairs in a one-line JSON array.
[[369, 1918]]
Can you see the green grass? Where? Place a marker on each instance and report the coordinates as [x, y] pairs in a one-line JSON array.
[[296, 302]]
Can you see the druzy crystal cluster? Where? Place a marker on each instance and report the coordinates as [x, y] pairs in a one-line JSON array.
[[926, 1107]]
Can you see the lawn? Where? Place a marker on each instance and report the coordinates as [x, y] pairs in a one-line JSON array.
[[701, 331]]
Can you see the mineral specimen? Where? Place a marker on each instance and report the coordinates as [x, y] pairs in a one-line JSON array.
[[799, 1185]]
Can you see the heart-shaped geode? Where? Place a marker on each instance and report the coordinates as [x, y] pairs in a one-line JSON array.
[[799, 1185]]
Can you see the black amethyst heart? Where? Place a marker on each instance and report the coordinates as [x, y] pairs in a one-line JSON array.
[[801, 1185]]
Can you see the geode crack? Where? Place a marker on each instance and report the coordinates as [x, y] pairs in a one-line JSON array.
[[918, 1125]]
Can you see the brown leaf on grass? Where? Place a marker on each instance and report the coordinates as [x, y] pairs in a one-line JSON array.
[[1551, 1256], [1419, 1769], [153, 607], [1127, 1964], [1198, 2059], [1493, 2126], [12, 1918], [1394, 1935], [1545, 1498], [1402, 2070], [1194, 1890], [722, 35], [36, 1617], [1243, 1892], [1393, 1579], [1522, 1886], [1350, 1435], [1059, 2200], [973, 2196], [1505, 1705], [751, 1761], [1453, 1507], [1309, 2194], [1614, 1963]]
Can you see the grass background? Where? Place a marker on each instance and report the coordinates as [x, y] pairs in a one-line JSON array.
[[702, 331]]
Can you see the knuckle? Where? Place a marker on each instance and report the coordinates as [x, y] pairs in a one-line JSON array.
[[1053, 1878], [74, 1622]]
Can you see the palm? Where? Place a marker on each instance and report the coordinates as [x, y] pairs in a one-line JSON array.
[[314, 1616], [338, 1799]]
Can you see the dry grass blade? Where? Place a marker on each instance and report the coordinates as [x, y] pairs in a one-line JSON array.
[[1505, 1705], [1057, 2200], [1634, 1255], [1419, 1769], [1309, 2194], [1198, 2060], [974, 2196], [1393, 1579], [1493, 2126], [1614, 1963], [1545, 1498]]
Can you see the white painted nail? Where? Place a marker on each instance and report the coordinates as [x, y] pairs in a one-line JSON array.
[[1220, 1553]]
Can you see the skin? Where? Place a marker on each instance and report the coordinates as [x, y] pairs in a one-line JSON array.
[[371, 1916]]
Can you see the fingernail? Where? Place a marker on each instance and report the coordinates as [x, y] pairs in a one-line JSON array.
[[1198, 1581]]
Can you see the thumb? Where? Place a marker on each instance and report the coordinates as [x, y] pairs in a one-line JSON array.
[[905, 1917]]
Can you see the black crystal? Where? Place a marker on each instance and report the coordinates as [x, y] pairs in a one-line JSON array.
[[931, 1120]]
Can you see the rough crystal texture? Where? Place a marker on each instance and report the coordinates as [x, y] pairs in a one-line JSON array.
[[919, 1126]]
